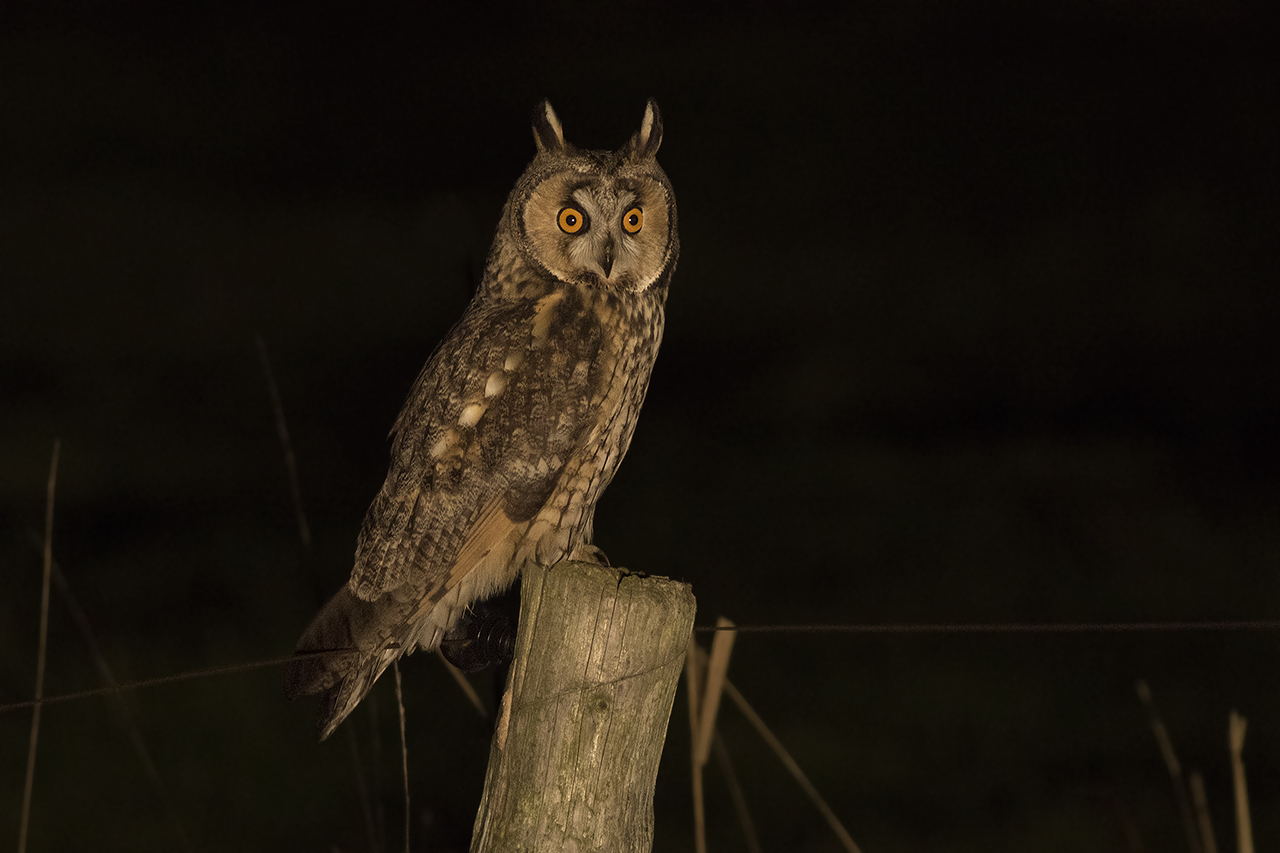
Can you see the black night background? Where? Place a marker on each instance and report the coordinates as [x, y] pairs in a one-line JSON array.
[[974, 322]]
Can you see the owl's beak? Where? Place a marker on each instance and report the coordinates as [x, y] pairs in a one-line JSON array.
[[606, 262]]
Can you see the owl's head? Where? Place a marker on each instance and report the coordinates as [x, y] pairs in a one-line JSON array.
[[599, 218]]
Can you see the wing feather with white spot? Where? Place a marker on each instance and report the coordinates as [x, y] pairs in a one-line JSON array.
[[494, 416]]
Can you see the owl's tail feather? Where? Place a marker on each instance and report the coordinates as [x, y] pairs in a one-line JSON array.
[[342, 653]]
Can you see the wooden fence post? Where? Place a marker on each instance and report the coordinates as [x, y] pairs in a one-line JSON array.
[[575, 752]]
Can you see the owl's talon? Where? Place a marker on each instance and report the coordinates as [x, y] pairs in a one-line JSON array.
[[482, 637]]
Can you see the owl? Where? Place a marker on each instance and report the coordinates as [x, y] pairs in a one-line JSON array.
[[519, 420]]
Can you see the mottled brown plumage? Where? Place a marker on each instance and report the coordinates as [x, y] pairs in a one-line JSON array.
[[521, 417]]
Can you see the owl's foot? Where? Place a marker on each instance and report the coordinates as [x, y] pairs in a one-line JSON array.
[[483, 636]]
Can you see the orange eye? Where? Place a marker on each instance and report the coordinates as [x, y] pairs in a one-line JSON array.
[[572, 220], [633, 220]]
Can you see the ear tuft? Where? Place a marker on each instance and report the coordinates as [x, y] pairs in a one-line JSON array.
[[644, 145], [547, 133]]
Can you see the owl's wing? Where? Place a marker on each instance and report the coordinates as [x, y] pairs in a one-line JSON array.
[[481, 442]]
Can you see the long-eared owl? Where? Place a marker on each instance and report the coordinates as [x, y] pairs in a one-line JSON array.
[[520, 418]]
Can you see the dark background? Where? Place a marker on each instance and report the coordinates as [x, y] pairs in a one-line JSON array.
[[975, 322]]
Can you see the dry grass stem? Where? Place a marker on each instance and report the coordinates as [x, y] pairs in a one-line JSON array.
[[126, 716], [282, 429], [1200, 800], [692, 683], [375, 773], [464, 685], [1174, 767], [304, 535], [362, 789], [1244, 825], [717, 667], [705, 683], [776, 745], [40, 648], [404, 754], [749, 837]]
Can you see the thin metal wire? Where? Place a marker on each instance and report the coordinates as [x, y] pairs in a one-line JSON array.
[[146, 682], [1002, 627], [902, 628]]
